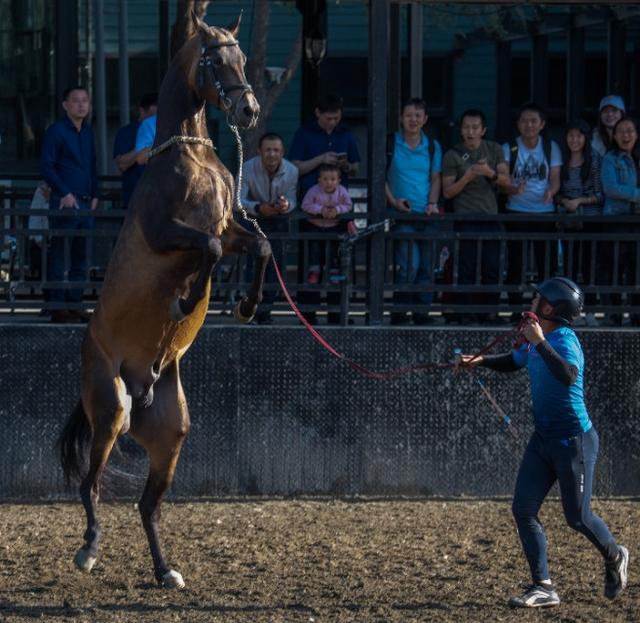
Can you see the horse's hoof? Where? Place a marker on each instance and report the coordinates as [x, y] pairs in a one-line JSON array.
[[175, 311], [172, 579], [239, 316], [84, 560]]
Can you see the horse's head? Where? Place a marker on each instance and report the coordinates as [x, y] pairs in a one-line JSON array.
[[218, 75]]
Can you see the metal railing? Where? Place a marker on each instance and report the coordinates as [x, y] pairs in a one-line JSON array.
[[347, 265]]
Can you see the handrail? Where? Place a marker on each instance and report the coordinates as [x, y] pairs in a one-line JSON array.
[[28, 283]]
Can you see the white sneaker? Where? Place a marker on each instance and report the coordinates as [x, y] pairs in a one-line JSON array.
[[615, 577], [591, 320], [536, 596]]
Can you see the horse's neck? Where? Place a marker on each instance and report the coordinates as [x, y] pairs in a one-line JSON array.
[[178, 112]]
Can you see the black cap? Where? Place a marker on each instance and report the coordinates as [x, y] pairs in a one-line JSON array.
[[564, 296]]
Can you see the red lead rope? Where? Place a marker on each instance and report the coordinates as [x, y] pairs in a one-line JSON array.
[[391, 374]]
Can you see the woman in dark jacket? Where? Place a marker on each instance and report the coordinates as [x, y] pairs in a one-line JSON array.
[[581, 195]]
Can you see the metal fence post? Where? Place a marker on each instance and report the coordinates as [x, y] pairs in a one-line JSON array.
[[377, 132]]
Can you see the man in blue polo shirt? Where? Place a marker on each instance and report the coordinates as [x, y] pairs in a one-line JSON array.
[[413, 187], [124, 147], [323, 141], [68, 165], [564, 445]]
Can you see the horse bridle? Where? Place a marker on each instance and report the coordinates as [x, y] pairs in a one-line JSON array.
[[205, 64]]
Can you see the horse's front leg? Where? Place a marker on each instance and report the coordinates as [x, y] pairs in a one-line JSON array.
[[177, 235], [237, 240]]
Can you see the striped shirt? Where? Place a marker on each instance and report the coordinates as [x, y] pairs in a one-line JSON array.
[[573, 186]]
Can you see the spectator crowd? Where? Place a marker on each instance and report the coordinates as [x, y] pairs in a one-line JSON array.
[[591, 173]]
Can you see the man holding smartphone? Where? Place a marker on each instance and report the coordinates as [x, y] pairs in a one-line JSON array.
[[268, 192], [413, 187], [324, 141]]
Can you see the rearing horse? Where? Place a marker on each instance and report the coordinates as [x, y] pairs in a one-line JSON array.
[[157, 286]]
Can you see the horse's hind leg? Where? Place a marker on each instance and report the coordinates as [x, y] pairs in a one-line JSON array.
[[104, 399], [237, 240], [161, 429]]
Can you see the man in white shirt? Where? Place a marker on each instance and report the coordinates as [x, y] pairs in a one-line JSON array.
[[534, 163]]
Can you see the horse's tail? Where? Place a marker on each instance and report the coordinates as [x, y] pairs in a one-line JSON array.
[[73, 444]]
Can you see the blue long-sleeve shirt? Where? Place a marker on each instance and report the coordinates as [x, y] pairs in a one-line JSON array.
[[68, 159], [619, 183]]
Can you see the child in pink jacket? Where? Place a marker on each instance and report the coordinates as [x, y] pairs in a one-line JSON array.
[[327, 199]]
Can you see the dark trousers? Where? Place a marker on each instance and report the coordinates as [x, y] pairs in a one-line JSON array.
[[572, 463], [489, 262], [545, 254], [276, 225], [76, 270], [318, 256]]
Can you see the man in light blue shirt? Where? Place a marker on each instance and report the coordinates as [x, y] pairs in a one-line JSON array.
[[413, 187], [145, 138]]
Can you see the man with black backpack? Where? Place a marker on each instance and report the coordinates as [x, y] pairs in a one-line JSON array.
[[534, 165], [471, 173], [414, 162]]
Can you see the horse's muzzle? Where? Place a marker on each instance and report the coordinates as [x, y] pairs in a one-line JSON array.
[[247, 112]]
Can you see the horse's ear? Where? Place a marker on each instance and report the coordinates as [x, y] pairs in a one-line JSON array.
[[196, 22], [235, 27]]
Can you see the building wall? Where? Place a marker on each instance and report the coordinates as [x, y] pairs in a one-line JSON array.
[[445, 26]]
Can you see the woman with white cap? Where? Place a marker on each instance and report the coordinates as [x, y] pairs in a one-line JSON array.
[[622, 198], [612, 109]]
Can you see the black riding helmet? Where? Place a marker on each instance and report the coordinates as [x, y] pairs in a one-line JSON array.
[[564, 296]]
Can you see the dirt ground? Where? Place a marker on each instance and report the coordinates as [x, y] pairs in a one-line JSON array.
[[306, 561]]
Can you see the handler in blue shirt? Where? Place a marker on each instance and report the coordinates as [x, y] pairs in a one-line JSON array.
[[124, 147], [564, 445], [68, 165], [324, 141]]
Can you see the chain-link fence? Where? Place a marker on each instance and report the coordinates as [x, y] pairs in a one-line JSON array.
[[274, 414]]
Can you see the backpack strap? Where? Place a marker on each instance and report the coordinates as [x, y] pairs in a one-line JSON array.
[[513, 154], [391, 146], [431, 148], [546, 148], [513, 157]]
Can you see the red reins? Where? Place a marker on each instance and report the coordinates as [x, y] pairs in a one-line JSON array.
[[391, 374]]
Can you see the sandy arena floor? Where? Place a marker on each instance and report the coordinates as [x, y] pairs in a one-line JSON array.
[[306, 561]]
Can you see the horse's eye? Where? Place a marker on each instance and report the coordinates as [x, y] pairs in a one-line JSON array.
[[217, 61]]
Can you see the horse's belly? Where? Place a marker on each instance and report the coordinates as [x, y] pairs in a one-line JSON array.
[[187, 330]]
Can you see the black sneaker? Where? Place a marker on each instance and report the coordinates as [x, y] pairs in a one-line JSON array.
[[536, 596], [615, 573]]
